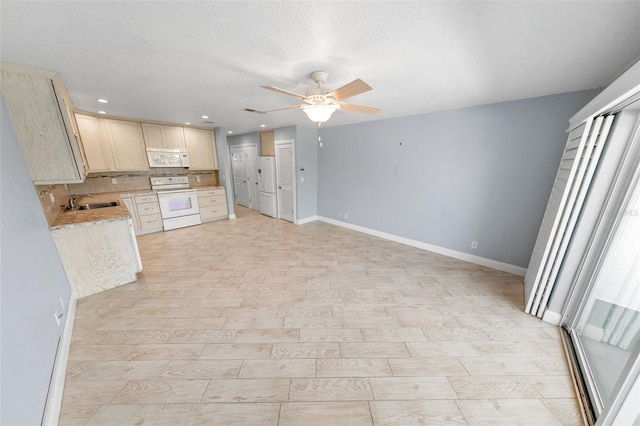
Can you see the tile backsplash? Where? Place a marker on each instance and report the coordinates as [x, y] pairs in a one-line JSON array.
[[52, 209], [131, 182]]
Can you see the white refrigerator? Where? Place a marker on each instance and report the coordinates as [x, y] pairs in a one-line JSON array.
[[267, 186]]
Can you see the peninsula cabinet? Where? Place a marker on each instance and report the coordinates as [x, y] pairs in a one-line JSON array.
[[201, 147], [39, 108], [98, 256], [161, 136], [127, 145]]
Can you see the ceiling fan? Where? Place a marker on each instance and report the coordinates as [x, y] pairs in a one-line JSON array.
[[321, 103]]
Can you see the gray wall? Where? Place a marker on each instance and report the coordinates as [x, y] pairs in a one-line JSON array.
[[446, 178], [32, 279], [247, 138], [284, 133]]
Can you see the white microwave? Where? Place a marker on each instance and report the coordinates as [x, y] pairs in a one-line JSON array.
[[160, 157]]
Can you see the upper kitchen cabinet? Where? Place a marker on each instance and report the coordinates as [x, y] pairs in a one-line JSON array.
[[267, 144], [127, 144], [161, 136], [40, 111], [97, 152], [201, 147]]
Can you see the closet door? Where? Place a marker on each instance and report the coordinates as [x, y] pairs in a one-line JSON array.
[[239, 169], [578, 164]]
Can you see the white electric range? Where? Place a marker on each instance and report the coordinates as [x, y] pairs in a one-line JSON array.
[[178, 203]]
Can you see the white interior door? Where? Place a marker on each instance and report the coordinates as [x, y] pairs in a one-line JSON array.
[[251, 157], [239, 170], [285, 169]]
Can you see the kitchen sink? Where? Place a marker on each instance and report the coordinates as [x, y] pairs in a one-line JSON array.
[[92, 206]]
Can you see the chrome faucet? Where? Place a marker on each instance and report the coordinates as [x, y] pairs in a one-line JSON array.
[[73, 201]]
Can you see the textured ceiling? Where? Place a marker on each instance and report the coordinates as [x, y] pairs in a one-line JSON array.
[[176, 61]]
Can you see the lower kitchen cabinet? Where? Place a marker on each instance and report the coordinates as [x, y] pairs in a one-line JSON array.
[[149, 216], [97, 256], [213, 204], [145, 212]]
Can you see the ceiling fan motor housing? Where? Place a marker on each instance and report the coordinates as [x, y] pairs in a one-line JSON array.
[[319, 77]]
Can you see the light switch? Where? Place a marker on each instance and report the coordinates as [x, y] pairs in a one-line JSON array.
[[114, 181], [302, 179]]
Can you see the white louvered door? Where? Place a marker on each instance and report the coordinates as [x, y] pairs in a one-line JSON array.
[[578, 164]]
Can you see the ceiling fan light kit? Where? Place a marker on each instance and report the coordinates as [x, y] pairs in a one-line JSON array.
[[321, 103], [320, 113]]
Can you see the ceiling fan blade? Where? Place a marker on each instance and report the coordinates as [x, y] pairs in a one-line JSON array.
[[362, 109], [271, 110], [350, 89], [284, 92]]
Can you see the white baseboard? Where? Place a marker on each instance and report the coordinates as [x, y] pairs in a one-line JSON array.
[[552, 317], [232, 216], [489, 263], [306, 220], [56, 387]]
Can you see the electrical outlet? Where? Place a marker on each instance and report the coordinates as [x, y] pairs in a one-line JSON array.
[[474, 244], [114, 181], [346, 215], [339, 214], [52, 198], [302, 179], [198, 178]]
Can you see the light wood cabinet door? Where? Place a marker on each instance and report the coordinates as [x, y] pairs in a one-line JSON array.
[[152, 135], [267, 144], [37, 113], [173, 137], [160, 136], [96, 149], [127, 145], [213, 204], [201, 149]]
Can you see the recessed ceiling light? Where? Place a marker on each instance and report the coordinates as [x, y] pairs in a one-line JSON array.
[[187, 123], [103, 101], [102, 112], [205, 116], [229, 132], [263, 125]]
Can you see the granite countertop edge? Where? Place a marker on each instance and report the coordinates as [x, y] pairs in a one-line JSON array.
[[70, 219]]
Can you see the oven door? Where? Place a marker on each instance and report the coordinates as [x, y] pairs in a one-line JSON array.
[[178, 203]]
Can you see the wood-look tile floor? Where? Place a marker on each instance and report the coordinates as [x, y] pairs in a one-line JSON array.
[[258, 321]]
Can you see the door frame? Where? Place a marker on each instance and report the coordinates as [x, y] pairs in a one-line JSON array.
[[625, 180], [293, 178]]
